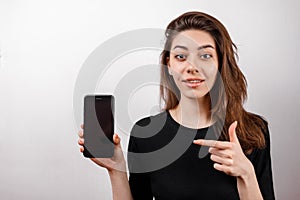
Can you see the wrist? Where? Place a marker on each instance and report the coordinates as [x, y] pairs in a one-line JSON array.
[[115, 172], [248, 174], [248, 187], [118, 177]]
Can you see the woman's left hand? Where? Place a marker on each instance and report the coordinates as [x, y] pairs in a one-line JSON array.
[[228, 156]]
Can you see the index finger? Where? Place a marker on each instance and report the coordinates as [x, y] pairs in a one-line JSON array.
[[213, 143]]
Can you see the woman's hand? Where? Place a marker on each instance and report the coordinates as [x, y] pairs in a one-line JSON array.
[[229, 156], [117, 162]]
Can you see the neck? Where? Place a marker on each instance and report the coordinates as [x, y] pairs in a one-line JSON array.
[[193, 113]]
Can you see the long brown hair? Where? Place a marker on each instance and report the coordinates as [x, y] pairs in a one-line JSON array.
[[230, 95]]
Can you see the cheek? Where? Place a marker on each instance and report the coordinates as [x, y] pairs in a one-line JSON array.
[[209, 69], [176, 69], [210, 74], [176, 66]]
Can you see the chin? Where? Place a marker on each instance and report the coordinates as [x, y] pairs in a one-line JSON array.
[[195, 94]]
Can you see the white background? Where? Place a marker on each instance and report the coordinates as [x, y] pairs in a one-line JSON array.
[[43, 45]]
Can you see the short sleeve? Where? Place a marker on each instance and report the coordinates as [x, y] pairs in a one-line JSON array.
[[139, 182], [261, 160]]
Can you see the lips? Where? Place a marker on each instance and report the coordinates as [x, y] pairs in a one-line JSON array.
[[193, 82]]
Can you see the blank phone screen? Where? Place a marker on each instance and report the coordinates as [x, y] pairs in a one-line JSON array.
[[98, 126]]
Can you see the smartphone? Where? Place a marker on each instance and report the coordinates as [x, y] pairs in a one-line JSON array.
[[98, 126]]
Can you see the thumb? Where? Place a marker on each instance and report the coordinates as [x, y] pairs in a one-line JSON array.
[[117, 139], [232, 133]]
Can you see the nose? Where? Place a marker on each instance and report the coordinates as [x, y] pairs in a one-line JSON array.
[[192, 70], [192, 63]]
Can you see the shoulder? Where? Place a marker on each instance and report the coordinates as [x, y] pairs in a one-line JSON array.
[[152, 118], [149, 125], [147, 134], [261, 122], [257, 118]]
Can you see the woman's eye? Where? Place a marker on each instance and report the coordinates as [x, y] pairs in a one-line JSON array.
[[180, 57], [206, 56]]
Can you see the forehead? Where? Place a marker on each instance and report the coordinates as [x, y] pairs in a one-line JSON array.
[[193, 39]]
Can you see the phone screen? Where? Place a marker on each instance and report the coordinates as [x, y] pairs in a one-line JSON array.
[[98, 126]]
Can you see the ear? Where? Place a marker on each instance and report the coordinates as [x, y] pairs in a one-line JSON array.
[[169, 67], [170, 71]]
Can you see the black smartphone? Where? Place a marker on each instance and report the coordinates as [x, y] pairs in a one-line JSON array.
[[98, 126]]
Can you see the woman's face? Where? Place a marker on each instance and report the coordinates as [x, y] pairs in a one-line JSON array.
[[193, 63]]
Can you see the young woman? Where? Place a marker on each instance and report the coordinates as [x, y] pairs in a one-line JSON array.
[[203, 91]]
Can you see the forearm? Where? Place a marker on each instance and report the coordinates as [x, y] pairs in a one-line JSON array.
[[120, 185], [248, 187]]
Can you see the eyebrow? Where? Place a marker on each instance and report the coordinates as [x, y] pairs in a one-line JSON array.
[[199, 48]]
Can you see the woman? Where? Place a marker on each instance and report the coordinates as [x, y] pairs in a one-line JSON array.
[[203, 92]]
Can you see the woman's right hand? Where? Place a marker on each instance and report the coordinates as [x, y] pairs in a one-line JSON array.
[[117, 162]]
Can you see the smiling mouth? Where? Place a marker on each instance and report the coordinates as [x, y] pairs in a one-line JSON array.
[[193, 82]]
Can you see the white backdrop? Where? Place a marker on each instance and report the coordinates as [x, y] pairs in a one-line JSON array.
[[43, 45]]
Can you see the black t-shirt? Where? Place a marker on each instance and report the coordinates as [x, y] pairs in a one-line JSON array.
[[165, 164]]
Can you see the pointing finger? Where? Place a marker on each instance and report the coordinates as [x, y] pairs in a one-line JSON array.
[[213, 143]]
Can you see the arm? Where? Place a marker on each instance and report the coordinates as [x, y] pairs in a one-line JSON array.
[[248, 186], [120, 185], [261, 160], [261, 172], [116, 167]]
